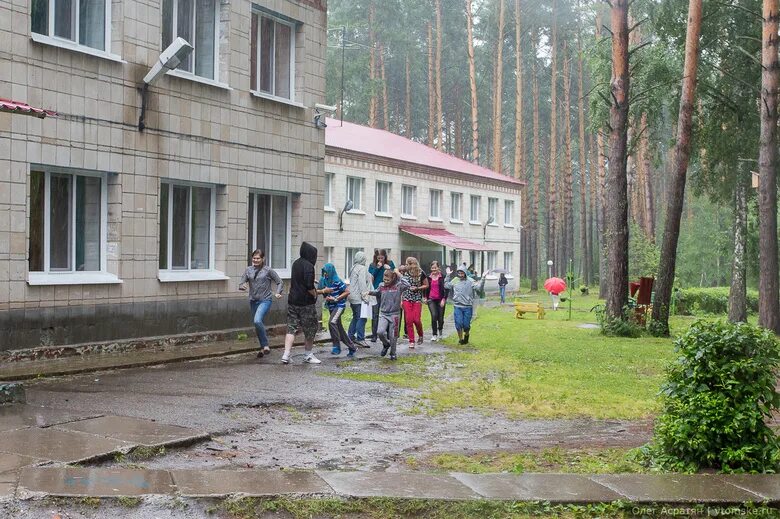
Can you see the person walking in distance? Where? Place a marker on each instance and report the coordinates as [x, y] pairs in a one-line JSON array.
[[258, 278], [301, 309], [336, 293], [436, 299], [463, 289], [360, 282], [379, 265], [412, 299], [389, 294], [502, 283]]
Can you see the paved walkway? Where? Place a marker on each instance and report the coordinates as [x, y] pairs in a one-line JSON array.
[[40, 444]]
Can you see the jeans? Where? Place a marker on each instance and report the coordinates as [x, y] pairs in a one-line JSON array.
[[437, 315], [259, 309], [502, 292], [463, 318], [357, 327], [413, 318]]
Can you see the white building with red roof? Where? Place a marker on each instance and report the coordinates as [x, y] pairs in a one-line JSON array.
[[413, 200]]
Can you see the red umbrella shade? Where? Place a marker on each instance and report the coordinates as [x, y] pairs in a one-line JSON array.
[[555, 286]]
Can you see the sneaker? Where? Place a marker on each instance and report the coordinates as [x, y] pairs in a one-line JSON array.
[[411, 345], [372, 339], [285, 359], [462, 341], [311, 359], [363, 344], [385, 350], [466, 339], [351, 354], [420, 339], [393, 357], [260, 354], [435, 338], [335, 351], [266, 350]]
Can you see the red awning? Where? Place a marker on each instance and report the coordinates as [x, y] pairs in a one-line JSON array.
[[444, 237], [16, 107]]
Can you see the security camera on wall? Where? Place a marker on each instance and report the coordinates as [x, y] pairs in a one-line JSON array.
[[321, 111]]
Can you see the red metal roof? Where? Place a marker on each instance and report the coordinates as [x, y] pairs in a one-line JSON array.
[[444, 237], [6, 105], [381, 143]]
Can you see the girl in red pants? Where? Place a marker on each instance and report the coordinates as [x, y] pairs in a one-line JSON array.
[[412, 300]]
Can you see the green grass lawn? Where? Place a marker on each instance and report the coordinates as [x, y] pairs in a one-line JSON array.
[[547, 368]]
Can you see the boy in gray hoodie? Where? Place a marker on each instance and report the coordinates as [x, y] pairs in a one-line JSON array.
[[390, 291], [463, 289]]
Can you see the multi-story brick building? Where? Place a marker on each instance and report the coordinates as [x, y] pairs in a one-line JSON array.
[[110, 233], [413, 200]]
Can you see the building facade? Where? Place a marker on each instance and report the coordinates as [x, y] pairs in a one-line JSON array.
[[412, 200], [110, 233]]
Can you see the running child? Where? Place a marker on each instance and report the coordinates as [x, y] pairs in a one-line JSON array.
[[463, 289], [389, 292], [336, 293]]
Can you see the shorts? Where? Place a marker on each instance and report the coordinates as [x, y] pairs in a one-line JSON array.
[[302, 319]]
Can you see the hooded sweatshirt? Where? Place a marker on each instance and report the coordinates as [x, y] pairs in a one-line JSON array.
[[302, 277], [360, 281], [330, 279], [390, 303], [463, 289]]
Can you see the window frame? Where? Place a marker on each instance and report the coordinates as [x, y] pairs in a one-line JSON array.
[[494, 255], [472, 199], [70, 277], [348, 260], [189, 274], [453, 205], [413, 189], [179, 72], [356, 207], [508, 264], [328, 191], [509, 209], [286, 271], [377, 210], [494, 212], [435, 193], [260, 13], [73, 44]]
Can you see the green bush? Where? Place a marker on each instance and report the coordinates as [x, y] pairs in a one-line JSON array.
[[715, 300], [625, 326], [718, 396]]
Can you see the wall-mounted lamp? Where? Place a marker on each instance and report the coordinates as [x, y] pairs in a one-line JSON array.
[[490, 220], [169, 59], [347, 207]]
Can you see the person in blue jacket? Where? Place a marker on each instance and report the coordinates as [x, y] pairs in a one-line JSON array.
[[336, 293]]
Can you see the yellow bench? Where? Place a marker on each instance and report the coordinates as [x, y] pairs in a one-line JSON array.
[[530, 308]]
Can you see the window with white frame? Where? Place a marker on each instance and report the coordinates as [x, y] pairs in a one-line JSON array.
[[491, 259], [81, 22], [474, 209], [435, 211], [408, 195], [508, 259], [355, 192], [68, 214], [187, 214], [329, 254], [472, 258], [270, 228], [329, 190], [383, 197], [456, 205], [350, 260], [509, 209], [272, 56], [493, 210], [197, 21]]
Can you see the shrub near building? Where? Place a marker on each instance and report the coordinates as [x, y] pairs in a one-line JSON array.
[[717, 399]]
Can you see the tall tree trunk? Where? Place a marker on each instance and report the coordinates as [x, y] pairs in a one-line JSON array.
[[617, 211], [498, 89], [408, 100], [768, 303], [431, 88], [372, 67], [518, 97], [666, 269], [552, 198], [383, 78], [439, 114], [537, 171], [472, 83], [649, 206], [593, 214], [568, 177], [602, 214], [738, 289], [458, 125], [584, 242]]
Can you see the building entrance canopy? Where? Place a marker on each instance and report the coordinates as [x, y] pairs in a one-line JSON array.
[[445, 238]]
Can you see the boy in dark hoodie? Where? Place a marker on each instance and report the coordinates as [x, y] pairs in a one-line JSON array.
[[301, 309], [390, 292]]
